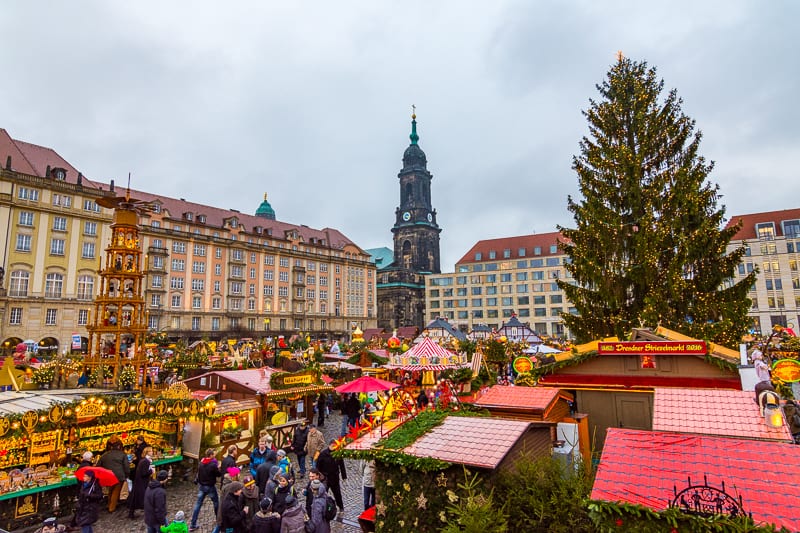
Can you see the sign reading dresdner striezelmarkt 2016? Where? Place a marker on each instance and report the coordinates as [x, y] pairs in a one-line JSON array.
[[692, 347]]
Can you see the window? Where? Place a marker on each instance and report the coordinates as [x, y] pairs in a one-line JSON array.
[[216, 302], [237, 255], [461, 291], [505, 278], [269, 260], [283, 276], [25, 218], [158, 262], [507, 301], [197, 302], [57, 246], [178, 265], [252, 273], [556, 299], [523, 300], [198, 284], [200, 250], [156, 223], [791, 228], [268, 290], [155, 300], [19, 283], [476, 302], [152, 322], [85, 287], [88, 250], [90, 228], [25, 193], [53, 285], [59, 224], [50, 317], [283, 262], [765, 231], [506, 253], [215, 324], [176, 283], [269, 275], [195, 323], [61, 200], [156, 282], [83, 317], [179, 247], [522, 288], [553, 248], [237, 271], [522, 276], [555, 311], [91, 205], [15, 316], [176, 300], [217, 269], [237, 287], [218, 251], [216, 286], [198, 267], [492, 254]]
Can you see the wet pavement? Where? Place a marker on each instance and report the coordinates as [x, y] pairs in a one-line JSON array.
[[181, 495]]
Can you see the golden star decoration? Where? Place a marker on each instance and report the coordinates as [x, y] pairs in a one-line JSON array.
[[380, 509], [441, 480], [397, 498], [422, 501]]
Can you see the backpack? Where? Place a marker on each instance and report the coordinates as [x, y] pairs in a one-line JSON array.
[[330, 508]]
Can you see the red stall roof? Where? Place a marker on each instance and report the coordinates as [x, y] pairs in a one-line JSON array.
[[647, 467], [533, 398], [722, 412]]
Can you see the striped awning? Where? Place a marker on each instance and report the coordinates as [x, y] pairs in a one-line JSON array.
[[477, 361], [412, 368], [428, 348]]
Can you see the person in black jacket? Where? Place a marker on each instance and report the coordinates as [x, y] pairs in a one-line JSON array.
[[331, 468], [228, 461], [352, 408], [207, 474], [155, 503], [88, 507], [233, 512], [141, 479], [322, 406], [299, 440], [266, 520]]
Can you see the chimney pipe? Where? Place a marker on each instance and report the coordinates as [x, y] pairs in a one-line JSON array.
[[8, 163]]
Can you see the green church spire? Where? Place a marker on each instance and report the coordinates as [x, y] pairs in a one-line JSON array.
[[414, 137]]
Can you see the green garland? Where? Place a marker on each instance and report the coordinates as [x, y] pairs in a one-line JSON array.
[[373, 357], [618, 516]]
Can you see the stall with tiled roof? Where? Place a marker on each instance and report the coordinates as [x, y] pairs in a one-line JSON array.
[[701, 475]]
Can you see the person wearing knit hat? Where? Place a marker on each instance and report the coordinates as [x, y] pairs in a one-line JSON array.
[[86, 459], [155, 503], [178, 525], [234, 472], [233, 512], [285, 464], [87, 509], [266, 520], [50, 525], [293, 518], [317, 522], [250, 496]]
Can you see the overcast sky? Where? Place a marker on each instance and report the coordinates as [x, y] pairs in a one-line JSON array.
[[310, 102]]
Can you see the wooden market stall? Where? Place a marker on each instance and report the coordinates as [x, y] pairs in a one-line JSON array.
[[44, 434], [265, 398]]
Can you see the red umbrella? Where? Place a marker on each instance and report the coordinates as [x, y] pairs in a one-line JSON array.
[[104, 476], [366, 384]]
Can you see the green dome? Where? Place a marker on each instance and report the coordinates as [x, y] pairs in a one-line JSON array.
[[265, 210]]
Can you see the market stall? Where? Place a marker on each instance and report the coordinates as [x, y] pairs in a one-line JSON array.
[[43, 436]]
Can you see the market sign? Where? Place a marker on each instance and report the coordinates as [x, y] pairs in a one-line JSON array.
[[76, 341], [656, 347], [27, 505], [786, 370], [522, 365], [284, 380]]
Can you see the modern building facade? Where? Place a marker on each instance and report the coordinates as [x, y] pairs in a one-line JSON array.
[[209, 273], [772, 241], [401, 282], [498, 278]]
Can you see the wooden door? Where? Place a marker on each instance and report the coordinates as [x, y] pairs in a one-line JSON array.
[[634, 410]]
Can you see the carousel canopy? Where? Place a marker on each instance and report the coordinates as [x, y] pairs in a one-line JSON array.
[[426, 355]]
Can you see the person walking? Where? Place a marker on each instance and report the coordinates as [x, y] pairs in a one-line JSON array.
[[116, 460], [233, 512], [141, 479], [352, 408], [176, 526], [332, 468], [207, 474], [316, 521], [88, 507], [266, 520], [315, 443], [299, 440], [155, 503], [368, 482], [313, 474], [261, 454], [322, 406], [293, 519], [228, 461], [227, 482]]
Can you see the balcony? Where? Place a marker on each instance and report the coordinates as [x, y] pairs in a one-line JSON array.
[[156, 250]]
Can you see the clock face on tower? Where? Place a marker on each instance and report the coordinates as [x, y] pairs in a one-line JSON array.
[[430, 217], [406, 216]]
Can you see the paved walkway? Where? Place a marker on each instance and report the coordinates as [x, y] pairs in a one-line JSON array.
[[181, 495]]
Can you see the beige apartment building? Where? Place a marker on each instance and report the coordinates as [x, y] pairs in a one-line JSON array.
[[498, 277], [773, 246], [210, 273]]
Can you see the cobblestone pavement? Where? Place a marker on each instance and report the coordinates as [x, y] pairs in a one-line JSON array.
[[181, 495]]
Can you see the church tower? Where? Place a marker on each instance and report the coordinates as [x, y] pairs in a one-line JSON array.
[[416, 234], [401, 282]]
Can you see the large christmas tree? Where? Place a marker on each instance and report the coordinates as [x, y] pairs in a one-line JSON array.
[[648, 248]]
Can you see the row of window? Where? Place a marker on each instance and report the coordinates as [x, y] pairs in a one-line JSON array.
[[57, 246], [504, 313], [521, 288], [19, 282], [50, 317], [521, 252], [32, 195]]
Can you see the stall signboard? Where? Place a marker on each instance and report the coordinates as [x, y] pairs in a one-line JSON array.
[[296, 380], [76, 341], [27, 505], [692, 347], [522, 365], [786, 370]]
